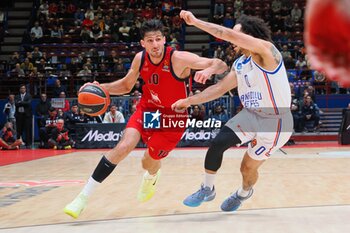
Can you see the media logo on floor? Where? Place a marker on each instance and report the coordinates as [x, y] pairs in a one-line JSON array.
[[158, 120]]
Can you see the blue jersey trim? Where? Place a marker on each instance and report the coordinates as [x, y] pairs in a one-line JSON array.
[[269, 72]]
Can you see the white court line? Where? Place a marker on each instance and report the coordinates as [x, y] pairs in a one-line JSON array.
[[321, 219]]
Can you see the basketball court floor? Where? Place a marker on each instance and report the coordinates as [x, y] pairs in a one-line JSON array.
[[303, 191]]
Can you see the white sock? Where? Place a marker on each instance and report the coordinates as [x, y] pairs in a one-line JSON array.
[[243, 193], [209, 180], [90, 187], [148, 176]]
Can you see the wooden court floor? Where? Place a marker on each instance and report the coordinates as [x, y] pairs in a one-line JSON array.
[[307, 190]]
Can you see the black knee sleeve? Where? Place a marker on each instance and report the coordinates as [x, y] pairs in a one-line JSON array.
[[103, 170], [224, 140]]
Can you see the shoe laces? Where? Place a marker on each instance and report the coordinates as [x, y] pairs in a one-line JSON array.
[[200, 193], [233, 198]]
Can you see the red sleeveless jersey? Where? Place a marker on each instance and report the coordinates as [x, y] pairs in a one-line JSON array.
[[161, 85]]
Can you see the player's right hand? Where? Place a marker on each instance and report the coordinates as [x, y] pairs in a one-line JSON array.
[[181, 105], [189, 18], [202, 76]]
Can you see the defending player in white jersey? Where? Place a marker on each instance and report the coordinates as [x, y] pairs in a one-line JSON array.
[[264, 91]]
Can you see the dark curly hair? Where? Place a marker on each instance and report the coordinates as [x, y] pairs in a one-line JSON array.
[[151, 26], [255, 27]]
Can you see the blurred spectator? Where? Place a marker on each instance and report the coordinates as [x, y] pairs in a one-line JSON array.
[[14, 59], [79, 16], [90, 119], [311, 92], [320, 81], [85, 35], [48, 124], [55, 34], [73, 117], [53, 9], [27, 66], [24, 115], [238, 5], [96, 33], [148, 13], [38, 33], [196, 113], [113, 116], [285, 53], [71, 9], [300, 63], [42, 109], [288, 23], [41, 66], [8, 137], [59, 137], [17, 71], [124, 30], [128, 15], [60, 113], [310, 114], [173, 41], [276, 6], [220, 114], [134, 34], [205, 51], [58, 89], [44, 9], [219, 53], [137, 86], [168, 8], [10, 110], [66, 102], [296, 13], [295, 109], [85, 73], [88, 62], [36, 54], [219, 9], [228, 21], [89, 14], [132, 111]]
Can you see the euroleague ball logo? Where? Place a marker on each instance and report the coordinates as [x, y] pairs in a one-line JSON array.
[[94, 89]]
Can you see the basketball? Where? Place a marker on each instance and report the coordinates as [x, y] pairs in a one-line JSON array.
[[93, 99]]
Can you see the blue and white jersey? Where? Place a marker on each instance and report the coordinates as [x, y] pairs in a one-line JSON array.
[[264, 92]]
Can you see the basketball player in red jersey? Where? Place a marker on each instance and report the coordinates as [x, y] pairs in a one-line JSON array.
[[163, 71], [327, 36]]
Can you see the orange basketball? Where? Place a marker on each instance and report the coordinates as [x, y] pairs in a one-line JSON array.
[[93, 99]]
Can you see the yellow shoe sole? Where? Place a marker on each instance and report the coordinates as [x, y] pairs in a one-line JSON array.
[[144, 199], [71, 213]]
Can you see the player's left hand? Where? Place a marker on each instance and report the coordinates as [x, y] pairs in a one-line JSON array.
[[189, 18], [202, 76], [181, 105]]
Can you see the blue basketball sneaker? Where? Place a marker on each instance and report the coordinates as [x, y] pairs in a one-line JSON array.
[[234, 201], [203, 194]]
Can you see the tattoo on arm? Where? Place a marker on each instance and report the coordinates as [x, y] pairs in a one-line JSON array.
[[214, 30], [276, 55]]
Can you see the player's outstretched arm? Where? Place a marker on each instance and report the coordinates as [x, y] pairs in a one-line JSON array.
[[236, 37], [124, 85], [208, 67], [211, 93]]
